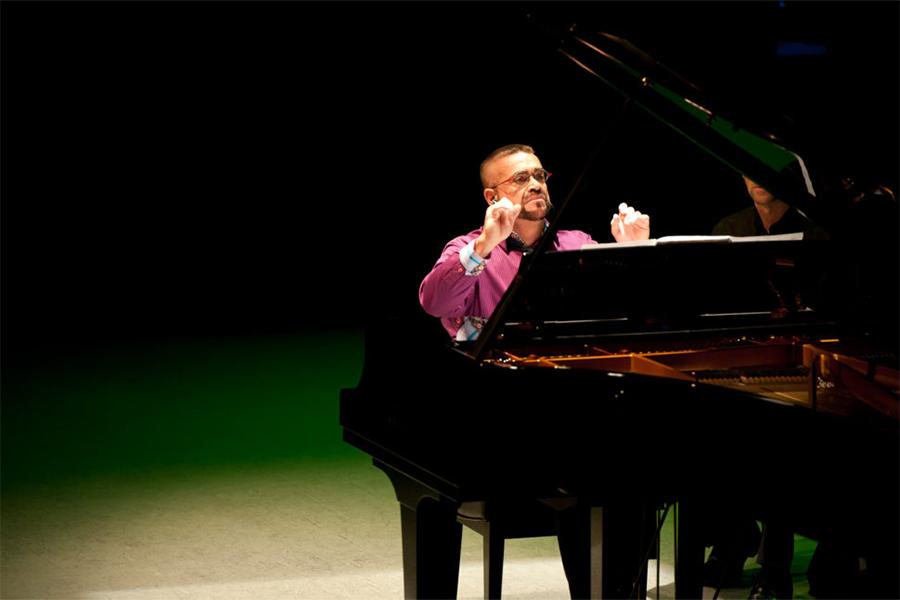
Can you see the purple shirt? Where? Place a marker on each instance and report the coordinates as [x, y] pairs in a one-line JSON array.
[[464, 300]]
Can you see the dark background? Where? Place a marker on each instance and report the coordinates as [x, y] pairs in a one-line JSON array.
[[184, 169]]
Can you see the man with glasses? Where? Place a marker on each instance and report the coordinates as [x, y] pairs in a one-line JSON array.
[[474, 270]]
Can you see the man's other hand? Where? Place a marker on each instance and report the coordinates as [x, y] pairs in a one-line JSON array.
[[630, 224]]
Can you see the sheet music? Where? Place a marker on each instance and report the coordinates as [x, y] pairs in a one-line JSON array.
[[781, 237], [651, 242], [694, 239], [697, 239]]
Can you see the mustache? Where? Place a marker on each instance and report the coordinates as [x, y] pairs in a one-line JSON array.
[[538, 197], [528, 215]]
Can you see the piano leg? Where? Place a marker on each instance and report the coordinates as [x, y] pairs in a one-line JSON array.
[[431, 538], [431, 543], [689, 551], [619, 535]]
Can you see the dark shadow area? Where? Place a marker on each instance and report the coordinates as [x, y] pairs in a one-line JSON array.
[[178, 169]]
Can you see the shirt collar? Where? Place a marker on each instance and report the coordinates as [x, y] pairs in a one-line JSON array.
[[515, 241]]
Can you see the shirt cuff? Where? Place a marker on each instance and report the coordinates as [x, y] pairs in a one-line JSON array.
[[471, 262]]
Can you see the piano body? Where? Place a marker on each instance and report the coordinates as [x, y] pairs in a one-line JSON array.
[[705, 352]]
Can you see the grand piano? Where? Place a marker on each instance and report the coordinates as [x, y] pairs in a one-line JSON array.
[[707, 351]]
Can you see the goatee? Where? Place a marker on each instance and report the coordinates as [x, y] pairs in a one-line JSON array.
[[538, 215]]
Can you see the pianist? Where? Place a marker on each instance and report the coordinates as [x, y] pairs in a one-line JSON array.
[[738, 537], [768, 216], [475, 269]]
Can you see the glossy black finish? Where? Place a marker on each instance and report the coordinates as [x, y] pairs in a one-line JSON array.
[[464, 431]]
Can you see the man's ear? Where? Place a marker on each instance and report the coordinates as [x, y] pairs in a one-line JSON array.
[[490, 195]]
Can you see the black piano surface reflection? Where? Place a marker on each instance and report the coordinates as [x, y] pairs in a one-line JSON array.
[[705, 351]]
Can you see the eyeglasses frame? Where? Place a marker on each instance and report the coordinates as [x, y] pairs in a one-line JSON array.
[[530, 172]]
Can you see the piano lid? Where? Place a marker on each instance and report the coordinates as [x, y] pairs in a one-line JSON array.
[[681, 105]]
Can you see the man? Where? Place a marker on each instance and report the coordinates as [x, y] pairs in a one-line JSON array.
[[768, 215], [474, 270], [738, 537]]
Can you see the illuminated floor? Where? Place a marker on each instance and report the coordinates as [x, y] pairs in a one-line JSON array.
[[302, 531], [216, 471], [322, 530]]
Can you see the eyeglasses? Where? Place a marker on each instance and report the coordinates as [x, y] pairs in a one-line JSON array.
[[522, 177]]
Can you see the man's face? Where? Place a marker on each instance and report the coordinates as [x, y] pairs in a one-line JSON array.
[[759, 194], [531, 194]]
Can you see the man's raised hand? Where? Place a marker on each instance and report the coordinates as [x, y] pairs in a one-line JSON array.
[[499, 219], [629, 224]]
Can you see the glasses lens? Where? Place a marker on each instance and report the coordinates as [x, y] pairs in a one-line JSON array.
[[521, 178]]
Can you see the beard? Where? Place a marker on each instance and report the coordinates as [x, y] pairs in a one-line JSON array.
[[536, 214]]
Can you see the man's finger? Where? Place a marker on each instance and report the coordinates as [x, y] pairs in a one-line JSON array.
[[633, 217], [617, 225]]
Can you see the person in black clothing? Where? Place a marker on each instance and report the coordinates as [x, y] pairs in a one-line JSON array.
[[737, 536], [768, 216], [868, 229], [833, 571]]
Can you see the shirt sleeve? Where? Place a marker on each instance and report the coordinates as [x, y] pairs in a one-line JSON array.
[[449, 289], [573, 239]]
